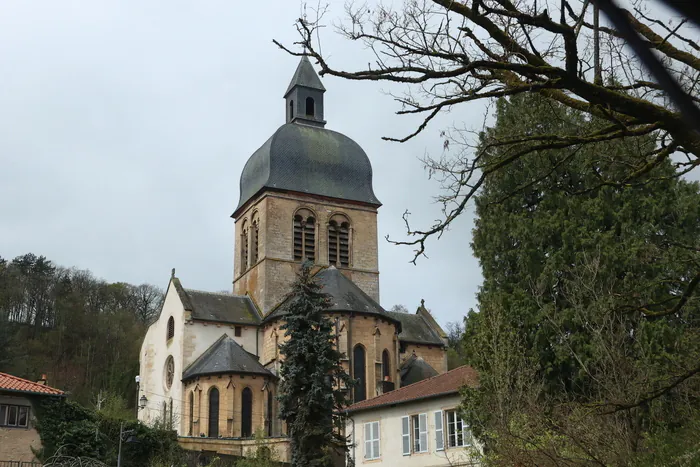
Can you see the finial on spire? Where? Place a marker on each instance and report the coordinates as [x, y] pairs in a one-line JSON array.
[[172, 273], [422, 303]]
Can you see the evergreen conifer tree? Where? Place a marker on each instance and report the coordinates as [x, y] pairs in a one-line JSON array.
[[312, 379]]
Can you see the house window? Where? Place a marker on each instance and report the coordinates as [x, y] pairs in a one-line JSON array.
[[310, 107], [254, 247], [304, 235], [414, 434], [237, 331], [169, 371], [339, 241], [244, 247], [439, 431], [458, 434], [171, 328], [14, 415], [214, 413], [247, 413], [372, 440], [358, 372]]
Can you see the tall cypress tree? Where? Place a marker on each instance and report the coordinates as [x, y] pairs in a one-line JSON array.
[[311, 395]]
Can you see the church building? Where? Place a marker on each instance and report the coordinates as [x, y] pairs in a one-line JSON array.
[[209, 365]]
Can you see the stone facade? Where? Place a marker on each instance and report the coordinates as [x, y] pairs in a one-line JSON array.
[[268, 280], [16, 443], [433, 355]]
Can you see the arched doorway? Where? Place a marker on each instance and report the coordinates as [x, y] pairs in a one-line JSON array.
[[214, 413], [247, 413], [358, 373]]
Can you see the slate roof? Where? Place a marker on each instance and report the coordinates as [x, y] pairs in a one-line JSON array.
[[15, 384], [309, 159], [218, 307], [415, 369], [343, 293], [306, 76], [442, 385], [225, 356], [415, 329]]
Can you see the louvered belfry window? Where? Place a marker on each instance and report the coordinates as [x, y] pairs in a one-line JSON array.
[[304, 236], [255, 245], [244, 247], [339, 241]]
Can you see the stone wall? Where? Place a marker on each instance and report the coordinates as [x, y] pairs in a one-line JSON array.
[[230, 408], [269, 280], [433, 355]]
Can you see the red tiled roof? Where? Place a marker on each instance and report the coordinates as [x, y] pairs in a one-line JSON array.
[[13, 383], [440, 385]]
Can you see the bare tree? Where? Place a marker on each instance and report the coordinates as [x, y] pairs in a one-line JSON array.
[[449, 53]]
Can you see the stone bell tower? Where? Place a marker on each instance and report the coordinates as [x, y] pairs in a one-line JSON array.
[[305, 193]]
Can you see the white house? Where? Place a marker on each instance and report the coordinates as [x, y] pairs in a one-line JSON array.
[[415, 426]]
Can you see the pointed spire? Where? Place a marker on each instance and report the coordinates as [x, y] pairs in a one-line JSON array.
[[305, 76]]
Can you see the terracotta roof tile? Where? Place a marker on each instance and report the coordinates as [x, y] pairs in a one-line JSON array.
[[441, 385], [13, 383]]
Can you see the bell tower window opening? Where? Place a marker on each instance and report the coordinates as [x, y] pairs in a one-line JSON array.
[[339, 241], [244, 247], [304, 236], [255, 245], [310, 107], [291, 109]]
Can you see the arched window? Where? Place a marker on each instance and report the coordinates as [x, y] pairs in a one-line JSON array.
[[191, 428], [214, 413], [165, 412], [358, 373], [171, 328], [310, 107], [291, 109], [269, 413], [246, 413], [254, 254], [386, 365], [304, 235], [170, 415], [339, 241], [244, 247]]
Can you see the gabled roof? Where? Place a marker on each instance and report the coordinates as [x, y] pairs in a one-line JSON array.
[[225, 356], [443, 385], [343, 293], [415, 329], [415, 369], [306, 76], [14, 384], [218, 307]]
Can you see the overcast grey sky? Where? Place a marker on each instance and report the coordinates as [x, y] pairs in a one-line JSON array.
[[124, 126]]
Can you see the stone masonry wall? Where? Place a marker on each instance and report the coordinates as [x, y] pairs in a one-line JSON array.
[[435, 356]]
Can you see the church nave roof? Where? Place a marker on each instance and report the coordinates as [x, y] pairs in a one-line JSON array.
[[225, 356]]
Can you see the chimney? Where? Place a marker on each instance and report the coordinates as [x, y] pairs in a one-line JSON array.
[[42, 381]]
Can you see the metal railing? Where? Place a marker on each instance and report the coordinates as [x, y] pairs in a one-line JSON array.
[[19, 464]]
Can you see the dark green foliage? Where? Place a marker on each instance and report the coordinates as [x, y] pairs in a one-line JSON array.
[[83, 332], [575, 274], [311, 398], [80, 432]]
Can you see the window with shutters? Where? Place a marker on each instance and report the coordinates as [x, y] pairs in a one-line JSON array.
[[254, 244], [372, 440], [458, 434], [439, 431], [171, 329], [304, 235], [339, 241], [414, 434], [244, 246]]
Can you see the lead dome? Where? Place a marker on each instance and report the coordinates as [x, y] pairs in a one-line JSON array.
[[302, 156]]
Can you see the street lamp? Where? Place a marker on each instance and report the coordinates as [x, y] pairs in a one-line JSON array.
[[142, 402]]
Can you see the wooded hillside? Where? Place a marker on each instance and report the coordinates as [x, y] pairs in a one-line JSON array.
[[83, 332]]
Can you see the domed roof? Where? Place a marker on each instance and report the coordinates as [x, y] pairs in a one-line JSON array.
[[309, 159]]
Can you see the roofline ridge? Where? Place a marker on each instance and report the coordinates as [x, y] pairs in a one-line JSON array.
[[223, 294]]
